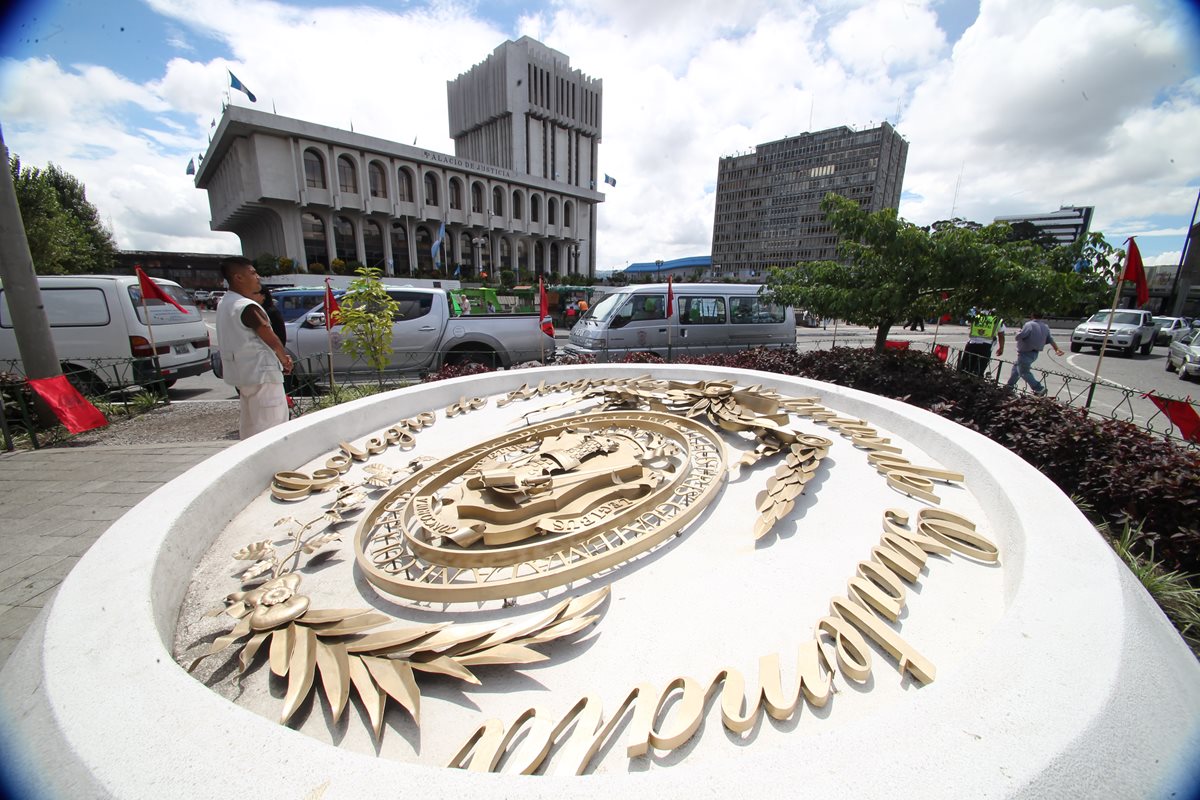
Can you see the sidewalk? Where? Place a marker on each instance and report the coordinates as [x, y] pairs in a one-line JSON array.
[[55, 502]]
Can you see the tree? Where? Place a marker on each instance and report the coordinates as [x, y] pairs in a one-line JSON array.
[[366, 315], [893, 271], [64, 230]]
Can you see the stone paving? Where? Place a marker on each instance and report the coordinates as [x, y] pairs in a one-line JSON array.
[[55, 502]]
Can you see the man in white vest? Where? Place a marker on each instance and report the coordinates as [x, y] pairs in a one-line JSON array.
[[252, 357]]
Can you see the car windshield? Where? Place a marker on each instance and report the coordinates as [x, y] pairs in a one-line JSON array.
[[1166, 322], [604, 309], [1120, 318]]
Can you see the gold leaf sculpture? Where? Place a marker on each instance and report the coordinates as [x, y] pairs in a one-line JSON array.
[[328, 650]]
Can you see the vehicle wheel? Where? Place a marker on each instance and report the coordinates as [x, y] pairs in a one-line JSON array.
[[1170, 366], [1147, 346], [1075, 347], [1183, 376], [1133, 346], [461, 358], [84, 380], [170, 382]]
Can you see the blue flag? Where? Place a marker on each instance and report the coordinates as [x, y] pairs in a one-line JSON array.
[[457, 270], [191, 168], [610, 180], [437, 245], [241, 87]]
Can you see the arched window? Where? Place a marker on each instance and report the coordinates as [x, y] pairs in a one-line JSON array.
[[535, 208], [497, 202], [377, 179], [431, 189], [568, 213], [477, 197], [401, 264], [316, 249], [404, 185], [373, 254], [343, 239], [466, 255], [424, 248], [314, 169], [455, 193], [347, 176], [552, 211], [518, 210]]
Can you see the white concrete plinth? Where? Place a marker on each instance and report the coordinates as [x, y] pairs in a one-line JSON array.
[[1057, 676]]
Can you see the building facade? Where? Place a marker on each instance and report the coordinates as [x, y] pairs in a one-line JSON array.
[[519, 193], [768, 206], [1068, 224]]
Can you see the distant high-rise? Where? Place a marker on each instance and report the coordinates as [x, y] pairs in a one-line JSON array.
[[768, 210], [1064, 226]]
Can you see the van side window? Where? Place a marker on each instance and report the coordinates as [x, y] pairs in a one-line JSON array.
[[66, 308], [411, 305], [749, 310], [702, 311], [642, 307]]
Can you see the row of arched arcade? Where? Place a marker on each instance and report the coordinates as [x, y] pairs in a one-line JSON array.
[[404, 246]]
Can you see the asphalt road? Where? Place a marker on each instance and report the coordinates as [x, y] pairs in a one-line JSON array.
[[1120, 376]]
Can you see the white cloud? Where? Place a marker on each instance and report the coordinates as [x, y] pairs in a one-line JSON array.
[[1039, 103]]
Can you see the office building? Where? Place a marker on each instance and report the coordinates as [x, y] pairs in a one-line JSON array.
[[519, 191], [768, 209], [1067, 225]]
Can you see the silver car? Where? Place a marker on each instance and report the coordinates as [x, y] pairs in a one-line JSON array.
[[1184, 356], [1170, 329]]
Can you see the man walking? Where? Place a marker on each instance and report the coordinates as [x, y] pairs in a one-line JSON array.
[[252, 357], [986, 328], [1034, 336]]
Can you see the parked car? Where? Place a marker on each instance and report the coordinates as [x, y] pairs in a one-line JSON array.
[[1170, 329], [294, 303], [424, 337], [1183, 356], [1131, 330], [98, 325]]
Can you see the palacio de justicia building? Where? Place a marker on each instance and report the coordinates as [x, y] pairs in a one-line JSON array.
[[520, 190]]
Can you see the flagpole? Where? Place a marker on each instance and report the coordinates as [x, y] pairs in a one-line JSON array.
[[1104, 345], [153, 345], [670, 313]]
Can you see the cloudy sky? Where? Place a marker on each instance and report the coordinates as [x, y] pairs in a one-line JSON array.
[[1009, 106]]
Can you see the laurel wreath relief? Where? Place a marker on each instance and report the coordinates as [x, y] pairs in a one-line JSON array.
[[342, 653]]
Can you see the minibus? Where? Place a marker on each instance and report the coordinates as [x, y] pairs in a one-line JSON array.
[[705, 318]]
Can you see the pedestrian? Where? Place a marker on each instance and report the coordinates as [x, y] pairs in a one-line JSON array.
[[491, 307], [252, 357], [1034, 336], [269, 305], [466, 304], [914, 322], [986, 329], [572, 312]]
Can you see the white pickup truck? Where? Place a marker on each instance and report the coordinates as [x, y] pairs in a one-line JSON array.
[[424, 337], [1131, 330]]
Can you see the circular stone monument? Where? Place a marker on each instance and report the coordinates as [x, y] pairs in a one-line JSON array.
[[594, 581]]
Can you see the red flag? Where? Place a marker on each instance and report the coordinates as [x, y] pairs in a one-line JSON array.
[[1181, 414], [670, 298], [71, 408], [331, 306], [941, 352], [946, 317], [150, 290], [1136, 273], [544, 321]]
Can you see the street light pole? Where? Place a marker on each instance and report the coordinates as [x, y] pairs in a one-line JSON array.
[[30, 325]]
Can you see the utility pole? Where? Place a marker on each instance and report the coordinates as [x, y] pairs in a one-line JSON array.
[[24, 299]]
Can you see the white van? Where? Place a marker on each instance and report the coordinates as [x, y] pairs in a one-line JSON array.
[[98, 325], [706, 318]]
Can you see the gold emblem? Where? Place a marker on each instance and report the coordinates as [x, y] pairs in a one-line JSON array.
[[541, 507]]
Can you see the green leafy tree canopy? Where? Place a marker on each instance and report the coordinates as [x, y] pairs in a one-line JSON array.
[[893, 270], [64, 230]]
